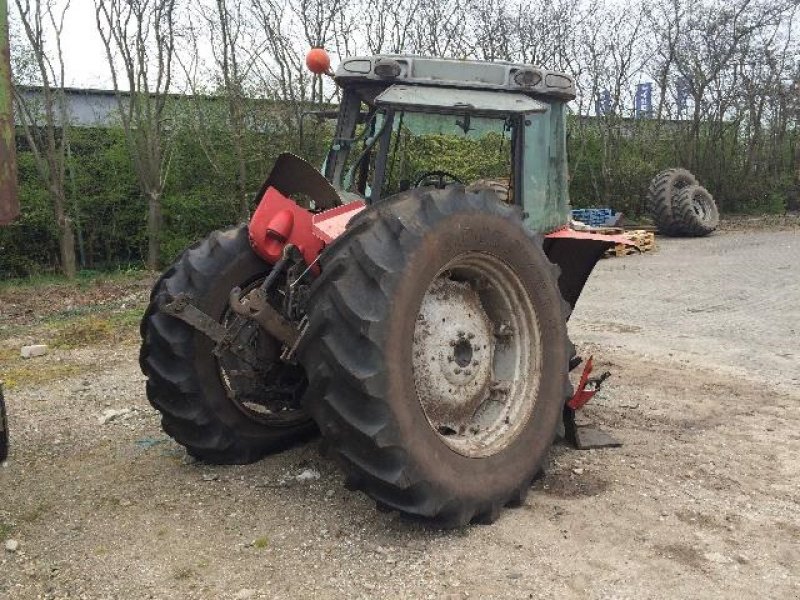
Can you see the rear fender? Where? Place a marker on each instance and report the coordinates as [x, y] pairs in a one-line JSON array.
[[576, 253], [298, 179]]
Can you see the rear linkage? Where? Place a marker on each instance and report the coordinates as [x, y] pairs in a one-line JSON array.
[[255, 306]]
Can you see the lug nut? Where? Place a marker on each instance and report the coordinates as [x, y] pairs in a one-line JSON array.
[[467, 372], [457, 371]]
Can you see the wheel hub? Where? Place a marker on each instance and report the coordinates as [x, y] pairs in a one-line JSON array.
[[453, 349], [476, 355]]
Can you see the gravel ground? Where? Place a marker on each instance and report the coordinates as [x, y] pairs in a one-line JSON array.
[[702, 501]]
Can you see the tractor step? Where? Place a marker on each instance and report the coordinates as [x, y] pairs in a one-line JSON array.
[[586, 437]]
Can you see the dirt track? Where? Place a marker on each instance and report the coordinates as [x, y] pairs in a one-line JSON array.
[[702, 501]]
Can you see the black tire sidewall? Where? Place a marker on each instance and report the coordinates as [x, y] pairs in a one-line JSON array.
[[497, 475], [244, 268], [184, 378]]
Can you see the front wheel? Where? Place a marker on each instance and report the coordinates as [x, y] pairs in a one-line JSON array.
[[221, 408], [437, 354]]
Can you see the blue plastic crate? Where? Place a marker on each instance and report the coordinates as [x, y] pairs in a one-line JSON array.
[[594, 217]]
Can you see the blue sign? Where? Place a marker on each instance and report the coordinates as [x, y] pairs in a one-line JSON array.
[[681, 94], [602, 106], [643, 102]]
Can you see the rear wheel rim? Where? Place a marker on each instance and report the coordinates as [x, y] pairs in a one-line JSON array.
[[477, 355]]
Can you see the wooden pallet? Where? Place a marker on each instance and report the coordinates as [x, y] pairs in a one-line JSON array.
[[606, 230], [645, 242]]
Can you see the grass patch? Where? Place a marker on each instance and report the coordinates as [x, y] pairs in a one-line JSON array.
[[5, 531], [37, 373], [83, 280], [34, 514], [128, 318], [183, 573], [261, 542], [94, 330], [84, 332]]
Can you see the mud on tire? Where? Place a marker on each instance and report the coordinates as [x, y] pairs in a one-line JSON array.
[[184, 381], [362, 352]]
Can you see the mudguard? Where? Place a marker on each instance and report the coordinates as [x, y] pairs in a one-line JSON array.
[[298, 179], [576, 253]]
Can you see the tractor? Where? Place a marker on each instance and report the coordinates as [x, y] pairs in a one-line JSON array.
[[409, 300]]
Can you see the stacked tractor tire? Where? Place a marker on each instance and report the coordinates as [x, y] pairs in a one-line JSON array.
[[680, 206]]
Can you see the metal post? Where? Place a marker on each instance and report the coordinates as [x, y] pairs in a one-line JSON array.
[[9, 203]]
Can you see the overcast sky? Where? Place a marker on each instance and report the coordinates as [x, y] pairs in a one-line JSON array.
[[84, 55], [85, 61]]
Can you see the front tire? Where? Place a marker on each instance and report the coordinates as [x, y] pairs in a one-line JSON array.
[[409, 394], [187, 383]]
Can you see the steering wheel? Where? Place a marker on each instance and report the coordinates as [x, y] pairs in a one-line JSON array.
[[437, 179]]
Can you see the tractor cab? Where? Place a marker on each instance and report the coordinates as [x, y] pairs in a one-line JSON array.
[[409, 122]]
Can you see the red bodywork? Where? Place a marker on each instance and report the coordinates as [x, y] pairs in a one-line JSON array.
[[567, 233], [279, 221]]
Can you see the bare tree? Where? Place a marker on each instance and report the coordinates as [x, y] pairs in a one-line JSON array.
[[139, 40], [705, 54], [281, 68], [45, 117], [235, 47], [494, 34], [441, 29], [291, 28], [386, 25]]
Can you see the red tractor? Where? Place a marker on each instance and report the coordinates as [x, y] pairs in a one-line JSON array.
[[410, 300]]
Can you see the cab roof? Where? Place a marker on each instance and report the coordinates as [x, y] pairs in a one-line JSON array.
[[388, 69]]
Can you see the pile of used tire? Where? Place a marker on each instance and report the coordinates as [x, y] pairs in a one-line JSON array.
[[680, 206]]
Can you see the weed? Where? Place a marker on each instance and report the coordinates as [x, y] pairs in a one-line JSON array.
[[261, 542], [37, 373], [8, 354], [94, 330], [84, 332], [184, 573], [34, 514], [84, 279]]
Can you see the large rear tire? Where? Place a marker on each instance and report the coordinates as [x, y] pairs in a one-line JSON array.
[[437, 354], [185, 381]]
